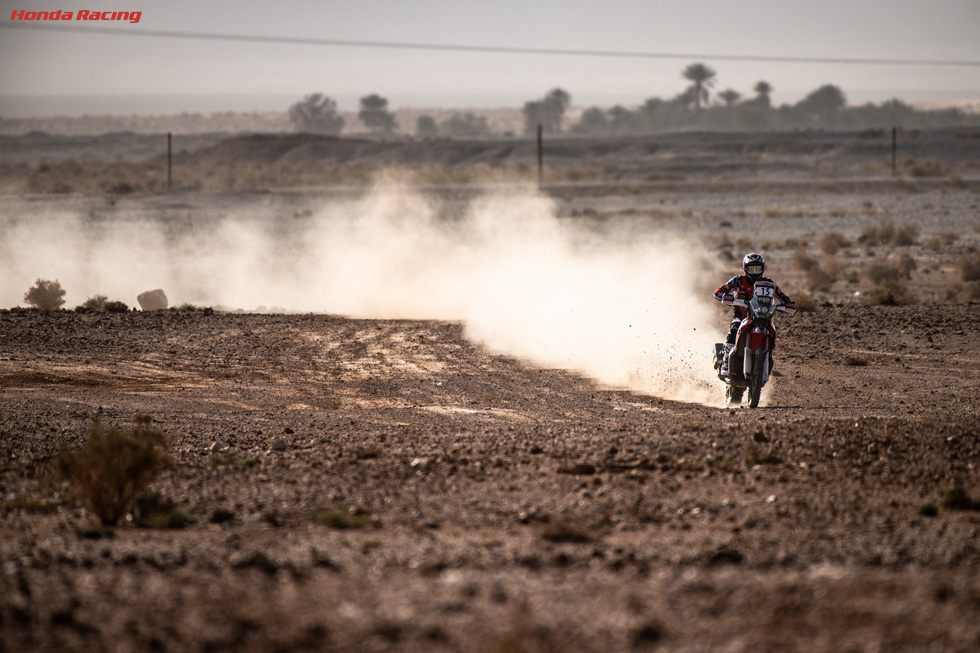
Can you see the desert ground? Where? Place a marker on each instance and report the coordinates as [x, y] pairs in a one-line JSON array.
[[365, 484]]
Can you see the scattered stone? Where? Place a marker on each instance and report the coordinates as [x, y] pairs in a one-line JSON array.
[[152, 300], [578, 469], [221, 516]]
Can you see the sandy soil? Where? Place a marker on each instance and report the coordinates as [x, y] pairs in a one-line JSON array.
[[505, 507]]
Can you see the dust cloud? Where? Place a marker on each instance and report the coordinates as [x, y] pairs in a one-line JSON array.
[[620, 303]]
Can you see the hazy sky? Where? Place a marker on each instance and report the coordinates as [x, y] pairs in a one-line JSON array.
[[107, 73]]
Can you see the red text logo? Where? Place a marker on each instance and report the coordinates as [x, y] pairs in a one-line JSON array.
[[82, 14]]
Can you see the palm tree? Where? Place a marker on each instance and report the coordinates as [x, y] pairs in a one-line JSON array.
[[730, 97], [762, 90], [703, 78], [556, 102]]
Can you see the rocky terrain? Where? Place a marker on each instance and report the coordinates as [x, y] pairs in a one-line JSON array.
[[379, 484]]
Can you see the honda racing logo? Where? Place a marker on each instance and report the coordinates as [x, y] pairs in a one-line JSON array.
[[82, 14]]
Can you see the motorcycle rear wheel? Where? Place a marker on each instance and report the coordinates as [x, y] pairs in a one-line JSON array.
[[755, 381]]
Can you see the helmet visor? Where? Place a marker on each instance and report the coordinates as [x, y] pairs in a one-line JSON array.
[[754, 269]]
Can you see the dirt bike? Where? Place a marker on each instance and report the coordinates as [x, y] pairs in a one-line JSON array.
[[748, 363]]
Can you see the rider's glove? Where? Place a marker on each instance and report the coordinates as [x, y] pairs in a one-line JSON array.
[[728, 300]]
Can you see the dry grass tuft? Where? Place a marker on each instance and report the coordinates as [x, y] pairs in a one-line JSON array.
[[108, 472], [832, 242], [890, 293], [969, 266]]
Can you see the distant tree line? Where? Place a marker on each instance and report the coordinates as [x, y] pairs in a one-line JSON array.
[[824, 108], [692, 108], [317, 114]]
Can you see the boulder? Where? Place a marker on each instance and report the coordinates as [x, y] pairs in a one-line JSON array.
[[152, 300]]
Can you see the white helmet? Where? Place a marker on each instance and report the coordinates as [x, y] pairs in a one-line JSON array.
[[754, 265]]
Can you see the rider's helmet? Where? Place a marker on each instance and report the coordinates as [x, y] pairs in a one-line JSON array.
[[754, 265]]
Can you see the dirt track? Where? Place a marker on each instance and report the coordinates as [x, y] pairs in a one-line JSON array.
[[497, 506], [511, 508]]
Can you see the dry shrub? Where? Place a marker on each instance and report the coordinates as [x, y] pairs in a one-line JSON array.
[[925, 168], [108, 472], [832, 242], [801, 261], [906, 265], [971, 291], [889, 294], [881, 273], [102, 304], [904, 236], [969, 266], [818, 279], [45, 295], [962, 292], [96, 304], [879, 234]]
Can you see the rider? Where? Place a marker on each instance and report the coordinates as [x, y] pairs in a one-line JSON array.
[[741, 287]]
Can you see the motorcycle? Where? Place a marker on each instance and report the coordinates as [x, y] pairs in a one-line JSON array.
[[748, 363]]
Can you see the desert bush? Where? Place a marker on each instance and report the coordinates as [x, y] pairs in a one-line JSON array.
[[96, 304], [120, 188], [941, 240], [102, 304], [879, 273], [158, 512], [889, 293], [906, 265], [45, 295], [904, 236], [108, 472], [802, 261], [925, 169], [971, 291], [962, 292], [832, 242], [818, 279], [879, 234], [969, 266]]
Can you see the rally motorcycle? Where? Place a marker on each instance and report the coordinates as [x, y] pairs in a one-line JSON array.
[[747, 364]]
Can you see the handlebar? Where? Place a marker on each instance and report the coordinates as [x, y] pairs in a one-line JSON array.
[[730, 300]]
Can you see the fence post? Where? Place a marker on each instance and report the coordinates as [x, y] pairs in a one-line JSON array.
[[894, 151], [540, 156], [170, 177]]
